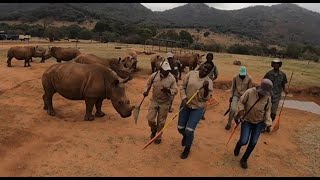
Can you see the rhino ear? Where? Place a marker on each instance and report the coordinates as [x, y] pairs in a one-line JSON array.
[[119, 59]]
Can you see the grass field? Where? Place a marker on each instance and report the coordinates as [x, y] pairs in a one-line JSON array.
[[305, 75]]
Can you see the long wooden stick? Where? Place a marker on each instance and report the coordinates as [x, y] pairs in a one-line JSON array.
[[277, 123], [234, 129], [158, 134]]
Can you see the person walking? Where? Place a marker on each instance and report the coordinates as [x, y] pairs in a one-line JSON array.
[[213, 75], [254, 110], [279, 80], [175, 66], [240, 83], [191, 114], [164, 88]]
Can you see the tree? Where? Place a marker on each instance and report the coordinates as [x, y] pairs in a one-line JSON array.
[[293, 51], [102, 27], [206, 34], [184, 35]]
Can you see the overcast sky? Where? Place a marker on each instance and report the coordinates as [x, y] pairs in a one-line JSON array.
[[226, 6]]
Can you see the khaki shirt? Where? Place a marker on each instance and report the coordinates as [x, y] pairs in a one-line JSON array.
[[158, 84], [190, 84], [240, 86], [260, 112]]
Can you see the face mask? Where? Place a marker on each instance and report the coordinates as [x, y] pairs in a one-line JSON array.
[[242, 77]]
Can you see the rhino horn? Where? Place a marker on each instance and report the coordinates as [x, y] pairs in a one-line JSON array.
[[126, 79]]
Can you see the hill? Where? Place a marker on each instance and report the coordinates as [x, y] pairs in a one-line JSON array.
[[278, 24]]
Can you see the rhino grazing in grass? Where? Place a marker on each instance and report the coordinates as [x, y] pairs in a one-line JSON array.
[[89, 82]]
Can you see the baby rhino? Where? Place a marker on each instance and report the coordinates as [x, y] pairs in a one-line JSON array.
[[89, 82]]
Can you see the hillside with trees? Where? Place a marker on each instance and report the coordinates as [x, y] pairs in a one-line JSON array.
[[287, 25]]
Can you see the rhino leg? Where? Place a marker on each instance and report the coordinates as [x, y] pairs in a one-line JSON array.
[[47, 99], [45, 106], [9, 61], [90, 102], [99, 112], [29, 62]]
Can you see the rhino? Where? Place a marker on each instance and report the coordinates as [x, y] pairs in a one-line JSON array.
[[190, 60], [112, 63], [23, 53], [63, 54], [42, 54], [89, 82], [130, 61], [156, 61]]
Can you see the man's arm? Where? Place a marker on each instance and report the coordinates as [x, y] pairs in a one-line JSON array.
[[243, 101], [183, 88], [267, 115], [250, 85], [173, 88], [215, 72], [233, 86], [284, 83], [147, 88]]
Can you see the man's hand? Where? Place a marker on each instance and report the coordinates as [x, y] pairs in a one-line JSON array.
[[241, 113], [184, 102], [145, 94], [205, 85], [286, 91], [166, 90], [268, 128]]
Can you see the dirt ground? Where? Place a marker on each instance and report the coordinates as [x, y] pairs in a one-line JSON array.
[[33, 143]]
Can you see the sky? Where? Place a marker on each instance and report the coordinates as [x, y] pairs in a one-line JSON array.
[[226, 6]]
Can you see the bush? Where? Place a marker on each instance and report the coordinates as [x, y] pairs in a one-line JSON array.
[[206, 34]]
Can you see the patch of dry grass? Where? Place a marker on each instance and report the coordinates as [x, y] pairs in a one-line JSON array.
[[305, 75]]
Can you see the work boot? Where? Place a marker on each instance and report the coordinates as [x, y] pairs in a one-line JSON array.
[[183, 141], [185, 153], [243, 163], [228, 127], [236, 150], [157, 141], [153, 134]]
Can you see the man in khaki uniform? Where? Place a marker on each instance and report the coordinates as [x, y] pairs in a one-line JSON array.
[[213, 75], [256, 104], [240, 83], [164, 89]]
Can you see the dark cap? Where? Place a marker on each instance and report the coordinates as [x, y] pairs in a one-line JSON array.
[[265, 87]]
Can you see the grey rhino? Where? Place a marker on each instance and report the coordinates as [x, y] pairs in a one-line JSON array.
[[156, 61], [112, 63], [63, 54], [190, 60], [23, 53], [89, 82]]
